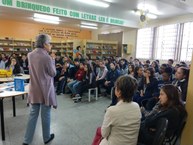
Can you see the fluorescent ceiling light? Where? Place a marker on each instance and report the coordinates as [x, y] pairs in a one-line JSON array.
[[151, 16], [46, 17], [95, 3], [152, 9], [89, 24], [46, 21], [89, 27], [109, 1]]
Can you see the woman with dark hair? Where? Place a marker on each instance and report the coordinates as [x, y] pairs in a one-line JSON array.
[[150, 87], [170, 107], [131, 69], [155, 65], [15, 66], [85, 84], [181, 81], [121, 122]]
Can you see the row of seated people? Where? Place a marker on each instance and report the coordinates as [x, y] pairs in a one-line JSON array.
[[18, 64], [99, 74], [149, 85], [123, 123], [81, 76]]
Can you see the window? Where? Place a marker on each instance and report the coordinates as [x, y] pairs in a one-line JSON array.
[[144, 43], [166, 42], [187, 43]]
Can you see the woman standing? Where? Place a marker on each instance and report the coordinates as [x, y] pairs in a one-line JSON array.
[[41, 89]]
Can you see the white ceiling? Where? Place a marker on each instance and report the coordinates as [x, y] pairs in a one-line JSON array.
[[118, 9]]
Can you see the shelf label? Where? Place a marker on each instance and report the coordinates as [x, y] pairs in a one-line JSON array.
[[37, 7]]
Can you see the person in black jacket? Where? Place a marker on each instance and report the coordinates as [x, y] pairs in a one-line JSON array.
[[15, 66], [170, 107], [181, 81], [112, 76]]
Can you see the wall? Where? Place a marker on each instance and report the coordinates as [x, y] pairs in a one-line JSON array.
[[129, 38], [23, 30], [186, 138]]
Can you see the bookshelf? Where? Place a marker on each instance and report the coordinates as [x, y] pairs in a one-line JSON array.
[[66, 47], [10, 45], [100, 48]]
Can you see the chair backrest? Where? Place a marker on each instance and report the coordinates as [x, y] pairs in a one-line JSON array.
[[180, 128], [160, 131]]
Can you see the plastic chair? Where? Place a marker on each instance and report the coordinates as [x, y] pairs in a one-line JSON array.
[[161, 129], [173, 138], [89, 93], [160, 133]]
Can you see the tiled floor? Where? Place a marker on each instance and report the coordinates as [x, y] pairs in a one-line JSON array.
[[73, 124]]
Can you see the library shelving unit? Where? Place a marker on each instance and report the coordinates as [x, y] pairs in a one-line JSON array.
[[10, 45], [100, 48], [66, 47], [109, 48], [56, 46]]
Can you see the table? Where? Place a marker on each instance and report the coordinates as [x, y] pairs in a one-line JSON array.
[[7, 94], [11, 79]]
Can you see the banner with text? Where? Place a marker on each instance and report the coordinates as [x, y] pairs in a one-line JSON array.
[[36, 7]]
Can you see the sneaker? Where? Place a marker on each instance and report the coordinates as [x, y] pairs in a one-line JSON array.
[[77, 96], [51, 138], [77, 100]]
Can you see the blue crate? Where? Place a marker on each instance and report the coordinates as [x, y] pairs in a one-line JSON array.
[[19, 85]]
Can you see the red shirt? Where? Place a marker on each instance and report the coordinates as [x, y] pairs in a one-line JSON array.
[[80, 74]]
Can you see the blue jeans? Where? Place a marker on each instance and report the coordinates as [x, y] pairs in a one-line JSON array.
[[33, 116], [73, 86]]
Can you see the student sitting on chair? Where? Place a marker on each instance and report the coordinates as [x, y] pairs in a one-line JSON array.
[[121, 122], [170, 107]]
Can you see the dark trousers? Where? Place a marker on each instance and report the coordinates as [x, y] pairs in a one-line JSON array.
[[98, 83], [61, 85]]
